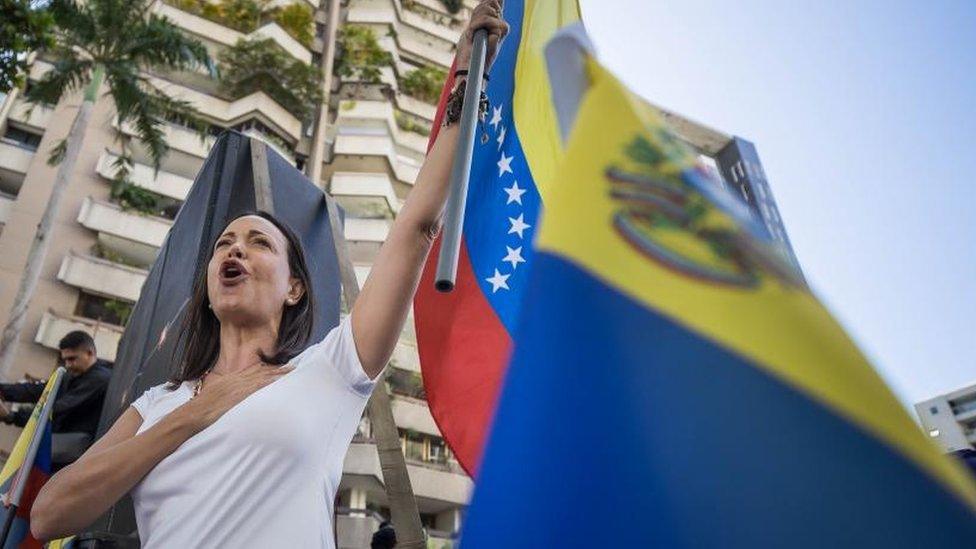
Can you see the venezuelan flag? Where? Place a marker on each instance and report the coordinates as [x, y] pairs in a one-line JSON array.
[[464, 338], [38, 473], [674, 385]]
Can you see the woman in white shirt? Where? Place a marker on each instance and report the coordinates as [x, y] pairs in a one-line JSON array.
[[245, 446]]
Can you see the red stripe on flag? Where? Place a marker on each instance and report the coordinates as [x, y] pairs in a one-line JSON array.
[[464, 350]]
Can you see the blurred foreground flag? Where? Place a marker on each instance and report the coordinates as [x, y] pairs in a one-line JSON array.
[[37, 467], [464, 337], [674, 383]]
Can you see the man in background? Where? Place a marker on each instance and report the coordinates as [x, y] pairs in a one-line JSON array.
[[78, 405]]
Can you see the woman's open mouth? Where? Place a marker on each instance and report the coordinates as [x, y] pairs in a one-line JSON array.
[[232, 272]]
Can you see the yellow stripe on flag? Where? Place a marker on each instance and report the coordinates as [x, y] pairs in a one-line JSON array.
[[19, 452], [535, 117], [757, 312]]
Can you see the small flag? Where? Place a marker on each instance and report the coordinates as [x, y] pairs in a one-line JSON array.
[[675, 384], [38, 471]]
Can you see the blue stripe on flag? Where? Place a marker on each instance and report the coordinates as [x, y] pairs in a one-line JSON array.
[[641, 433]]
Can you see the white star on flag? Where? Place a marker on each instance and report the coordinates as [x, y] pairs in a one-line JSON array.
[[505, 165], [501, 138], [514, 256], [496, 116], [498, 281], [514, 193], [518, 225]]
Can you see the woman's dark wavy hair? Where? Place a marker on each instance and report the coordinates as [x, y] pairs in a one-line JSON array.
[[200, 331]]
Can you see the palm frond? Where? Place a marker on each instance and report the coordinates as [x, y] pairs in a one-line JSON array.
[[138, 101], [133, 104], [76, 25], [69, 74], [58, 152], [158, 42]]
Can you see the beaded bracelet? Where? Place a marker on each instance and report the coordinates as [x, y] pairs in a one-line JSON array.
[[464, 72]]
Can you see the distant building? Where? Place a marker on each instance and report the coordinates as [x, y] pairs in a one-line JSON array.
[[950, 419], [734, 162]]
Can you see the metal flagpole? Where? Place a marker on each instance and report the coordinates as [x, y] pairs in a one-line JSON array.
[[447, 260], [20, 479]]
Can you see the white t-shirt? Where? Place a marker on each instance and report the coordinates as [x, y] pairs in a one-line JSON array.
[[265, 474]]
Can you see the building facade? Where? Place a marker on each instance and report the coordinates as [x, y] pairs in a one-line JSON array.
[[391, 59], [950, 419]]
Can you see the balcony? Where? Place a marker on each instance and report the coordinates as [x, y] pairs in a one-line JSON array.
[[414, 35], [364, 194], [364, 237], [405, 356], [136, 237], [368, 142], [54, 326], [431, 482], [355, 527], [415, 107], [164, 183], [314, 4], [39, 117], [216, 33], [6, 205], [230, 113], [379, 115], [412, 413], [101, 276], [15, 159]]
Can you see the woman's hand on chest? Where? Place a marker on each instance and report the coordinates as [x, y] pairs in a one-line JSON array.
[[221, 392]]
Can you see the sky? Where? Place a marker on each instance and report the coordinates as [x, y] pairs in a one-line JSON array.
[[864, 115]]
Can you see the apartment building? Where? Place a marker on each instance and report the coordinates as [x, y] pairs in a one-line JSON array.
[[950, 419], [392, 57]]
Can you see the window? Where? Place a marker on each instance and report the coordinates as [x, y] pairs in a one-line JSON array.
[[413, 445], [424, 448], [933, 410], [22, 138]]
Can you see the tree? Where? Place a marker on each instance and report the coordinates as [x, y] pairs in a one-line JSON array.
[[424, 83], [23, 28], [118, 42], [262, 65], [361, 55]]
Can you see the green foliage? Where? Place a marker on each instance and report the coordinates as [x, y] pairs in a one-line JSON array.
[[98, 250], [360, 55], [261, 65], [453, 6], [298, 20], [240, 15], [133, 197], [407, 123], [424, 83], [246, 16], [121, 39], [122, 310], [23, 28]]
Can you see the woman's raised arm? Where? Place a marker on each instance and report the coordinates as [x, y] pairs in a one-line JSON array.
[[383, 304]]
